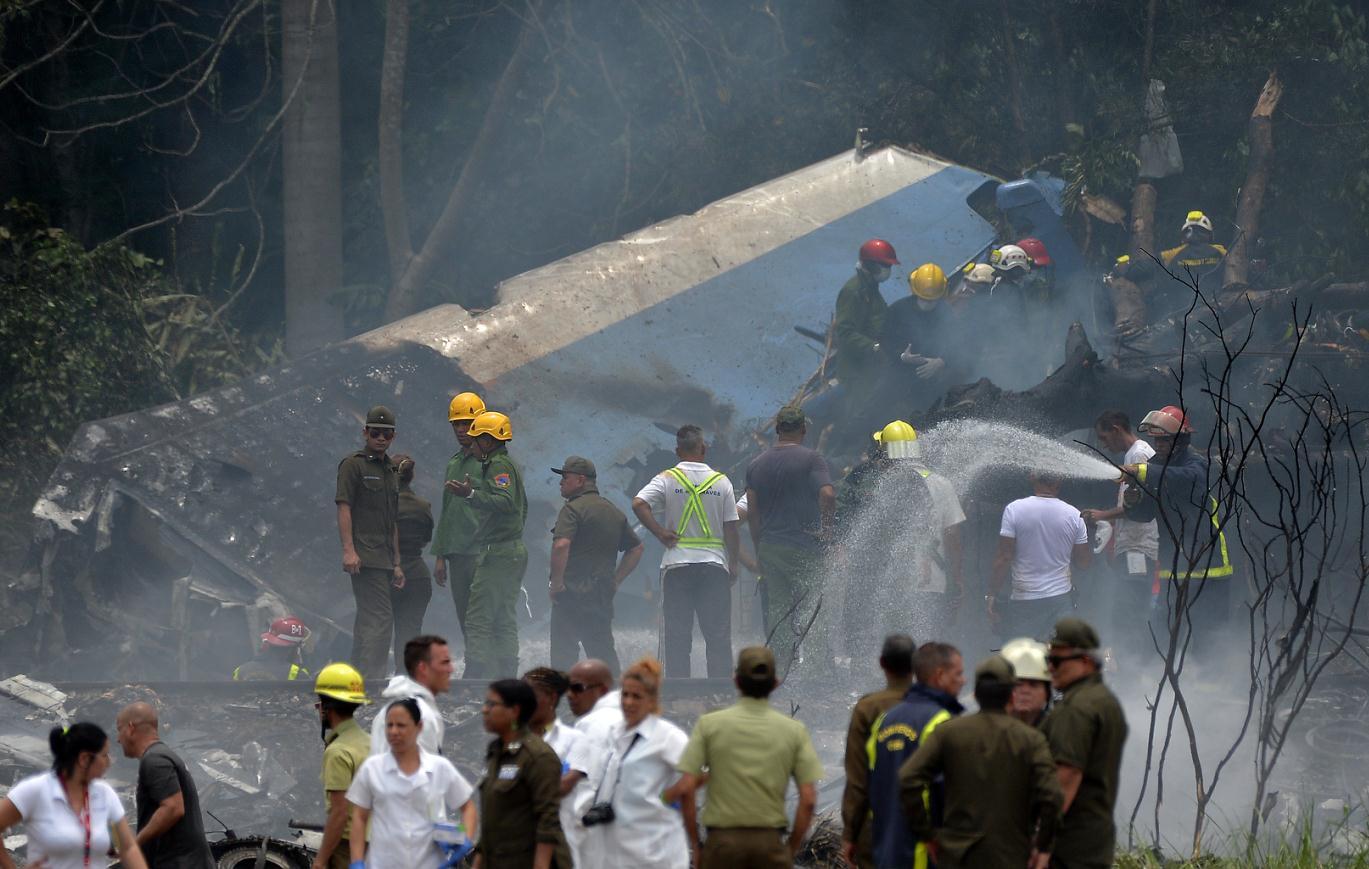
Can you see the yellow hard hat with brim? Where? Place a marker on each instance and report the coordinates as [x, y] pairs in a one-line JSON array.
[[341, 682]]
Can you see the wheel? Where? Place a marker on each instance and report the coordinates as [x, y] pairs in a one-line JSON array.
[[244, 856]]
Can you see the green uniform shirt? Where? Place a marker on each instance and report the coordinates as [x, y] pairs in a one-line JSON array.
[[1086, 730], [855, 798], [499, 502], [455, 533], [857, 326], [999, 784], [369, 483], [415, 524], [520, 804], [597, 532], [345, 749], [751, 752]]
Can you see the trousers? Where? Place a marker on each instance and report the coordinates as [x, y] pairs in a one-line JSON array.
[[460, 572], [409, 604], [374, 621], [1034, 618], [583, 619], [492, 615], [795, 608], [702, 591], [745, 848]]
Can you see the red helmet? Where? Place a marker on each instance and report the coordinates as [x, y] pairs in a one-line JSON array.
[[877, 250], [1168, 420], [1036, 250], [288, 631]]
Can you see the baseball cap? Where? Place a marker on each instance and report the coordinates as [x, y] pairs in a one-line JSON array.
[[995, 668], [1076, 633], [380, 416], [576, 465], [756, 662]]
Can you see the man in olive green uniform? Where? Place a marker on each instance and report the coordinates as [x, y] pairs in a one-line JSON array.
[[1002, 801], [751, 753], [454, 538], [1086, 731], [500, 507], [340, 690], [857, 327], [585, 570], [896, 660], [367, 509]]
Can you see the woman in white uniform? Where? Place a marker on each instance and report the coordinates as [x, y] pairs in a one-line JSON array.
[[402, 794], [645, 832], [71, 816]]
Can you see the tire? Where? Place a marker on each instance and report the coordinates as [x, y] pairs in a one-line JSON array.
[[245, 857]]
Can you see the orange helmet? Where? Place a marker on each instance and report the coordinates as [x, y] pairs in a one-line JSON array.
[[1169, 421]]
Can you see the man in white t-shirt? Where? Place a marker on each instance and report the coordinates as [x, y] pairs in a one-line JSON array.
[[692, 510], [1132, 586], [1041, 540]]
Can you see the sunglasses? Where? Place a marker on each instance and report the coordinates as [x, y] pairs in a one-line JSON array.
[[386, 433], [578, 687], [1057, 660]]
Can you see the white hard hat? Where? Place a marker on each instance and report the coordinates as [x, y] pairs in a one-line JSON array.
[[1028, 659], [980, 273], [1010, 256], [1198, 219]]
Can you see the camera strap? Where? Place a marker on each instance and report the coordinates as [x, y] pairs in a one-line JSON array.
[[618, 776]]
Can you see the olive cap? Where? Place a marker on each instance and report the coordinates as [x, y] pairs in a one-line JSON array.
[[576, 465], [1075, 633], [995, 668], [756, 662], [790, 416], [380, 416]]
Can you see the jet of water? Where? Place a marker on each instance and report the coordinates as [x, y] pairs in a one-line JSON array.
[[963, 449]]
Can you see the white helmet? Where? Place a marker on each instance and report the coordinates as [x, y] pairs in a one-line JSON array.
[[1198, 219], [1010, 257], [1028, 659], [979, 273]]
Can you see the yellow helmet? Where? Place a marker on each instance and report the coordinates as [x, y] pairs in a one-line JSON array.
[[899, 440], [467, 405], [494, 424], [1198, 219], [341, 682], [928, 282]]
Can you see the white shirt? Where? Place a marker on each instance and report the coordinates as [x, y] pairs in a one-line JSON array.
[[576, 753], [1130, 536], [646, 833], [946, 513], [667, 498], [430, 737], [404, 807], [1046, 531], [593, 752], [55, 830]]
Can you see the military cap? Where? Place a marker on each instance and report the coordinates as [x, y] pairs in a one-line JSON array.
[[380, 416], [756, 662], [1075, 633], [790, 416], [995, 668], [576, 465]]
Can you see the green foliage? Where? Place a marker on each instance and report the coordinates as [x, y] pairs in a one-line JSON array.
[[87, 334]]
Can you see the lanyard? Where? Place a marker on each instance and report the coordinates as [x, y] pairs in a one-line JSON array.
[[619, 777], [82, 816]]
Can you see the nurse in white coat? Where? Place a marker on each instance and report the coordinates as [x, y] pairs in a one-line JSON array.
[[645, 833], [402, 794]]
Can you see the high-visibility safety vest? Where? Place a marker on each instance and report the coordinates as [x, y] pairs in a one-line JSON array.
[[694, 510], [1222, 570], [294, 673], [902, 740]]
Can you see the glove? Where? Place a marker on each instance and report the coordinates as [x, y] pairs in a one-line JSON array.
[[452, 854], [357, 864], [931, 368]]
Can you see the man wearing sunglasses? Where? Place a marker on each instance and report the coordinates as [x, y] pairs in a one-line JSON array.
[[1086, 731], [367, 504]]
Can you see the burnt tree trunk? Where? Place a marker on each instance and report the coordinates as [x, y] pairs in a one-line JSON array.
[[391, 146], [1237, 270]]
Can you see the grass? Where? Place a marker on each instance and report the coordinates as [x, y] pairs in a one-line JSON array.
[[1344, 844]]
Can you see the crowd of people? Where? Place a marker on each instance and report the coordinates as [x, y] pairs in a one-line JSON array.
[[1020, 782]]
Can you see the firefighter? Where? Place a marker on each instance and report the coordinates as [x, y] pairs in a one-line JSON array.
[[454, 537], [857, 329], [280, 655], [340, 691], [919, 328], [1195, 566], [501, 509], [1197, 258], [1031, 693]]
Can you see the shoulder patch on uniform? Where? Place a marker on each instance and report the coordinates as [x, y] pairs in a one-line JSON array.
[[502, 480]]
